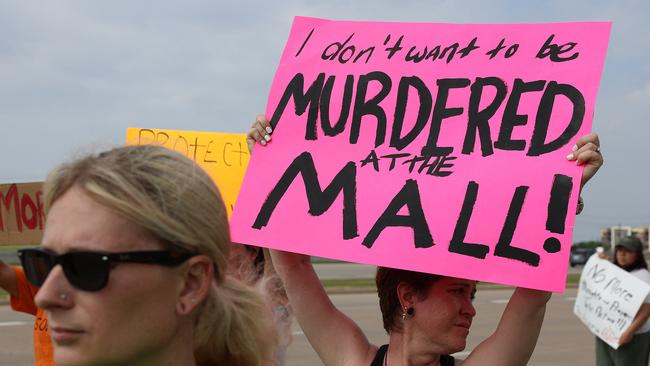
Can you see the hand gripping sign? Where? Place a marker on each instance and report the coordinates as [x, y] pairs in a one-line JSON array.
[[438, 148]]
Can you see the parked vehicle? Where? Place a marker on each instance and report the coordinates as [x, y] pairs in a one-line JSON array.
[[579, 256]]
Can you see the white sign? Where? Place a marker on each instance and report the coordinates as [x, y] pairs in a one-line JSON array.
[[608, 299]]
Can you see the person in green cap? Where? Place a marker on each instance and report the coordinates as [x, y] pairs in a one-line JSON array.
[[634, 343]]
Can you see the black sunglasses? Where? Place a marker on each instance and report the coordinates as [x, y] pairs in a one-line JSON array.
[[89, 271]]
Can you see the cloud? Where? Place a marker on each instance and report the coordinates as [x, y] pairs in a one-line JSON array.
[[640, 96], [77, 73]]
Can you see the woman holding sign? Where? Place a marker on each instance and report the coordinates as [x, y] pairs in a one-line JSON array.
[[634, 343], [427, 316], [132, 266]]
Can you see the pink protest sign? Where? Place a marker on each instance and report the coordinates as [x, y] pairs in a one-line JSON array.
[[432, 147]]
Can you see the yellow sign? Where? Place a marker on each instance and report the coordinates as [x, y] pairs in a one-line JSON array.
[[21, 213], [223, 155]]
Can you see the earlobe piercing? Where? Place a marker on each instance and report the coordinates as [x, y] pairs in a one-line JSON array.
[[407, 312]]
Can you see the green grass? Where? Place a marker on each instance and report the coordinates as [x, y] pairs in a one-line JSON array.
[[318, 260], [7, 254], [573, 278], [353, 282], [368, 284], [13, 248]]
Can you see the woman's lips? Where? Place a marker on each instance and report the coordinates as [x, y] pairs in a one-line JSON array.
[[464, 325], [63, 336]]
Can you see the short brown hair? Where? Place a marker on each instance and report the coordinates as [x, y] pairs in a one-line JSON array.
[[387, 280]]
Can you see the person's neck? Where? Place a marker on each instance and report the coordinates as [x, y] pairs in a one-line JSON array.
[[165, 357], [406, 350], [179, 351]]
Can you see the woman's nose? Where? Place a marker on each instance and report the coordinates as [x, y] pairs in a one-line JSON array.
[[469, 309], [55, 291]]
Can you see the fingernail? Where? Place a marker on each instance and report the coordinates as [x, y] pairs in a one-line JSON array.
[[269, 130], [574, 148], [569, 157], [267, 137], [263, 142]]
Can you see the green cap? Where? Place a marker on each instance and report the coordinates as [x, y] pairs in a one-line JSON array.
[[631, 243]]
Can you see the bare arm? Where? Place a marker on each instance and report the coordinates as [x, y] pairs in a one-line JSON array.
[[514, 340], [516, 335], [639, 319], [8, 279], [334, 336]]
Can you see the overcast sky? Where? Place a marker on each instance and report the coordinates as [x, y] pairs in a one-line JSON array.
[[76, 74]]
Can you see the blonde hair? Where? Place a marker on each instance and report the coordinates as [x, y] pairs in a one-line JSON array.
[[176, 201]]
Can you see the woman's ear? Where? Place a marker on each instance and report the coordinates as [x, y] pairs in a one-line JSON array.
[[406, 295], [197, 279]]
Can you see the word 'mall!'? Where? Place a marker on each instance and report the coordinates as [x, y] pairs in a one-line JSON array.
[[438, 148]]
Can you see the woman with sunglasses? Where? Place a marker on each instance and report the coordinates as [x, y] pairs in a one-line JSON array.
[[132, 265], [427, 317]]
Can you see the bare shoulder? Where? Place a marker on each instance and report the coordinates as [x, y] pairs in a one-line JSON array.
[[366, 359]]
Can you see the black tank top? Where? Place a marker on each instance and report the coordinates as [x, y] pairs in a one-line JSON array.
[[445, 360]]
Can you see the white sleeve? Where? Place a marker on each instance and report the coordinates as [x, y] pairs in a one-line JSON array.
[[644, 276]]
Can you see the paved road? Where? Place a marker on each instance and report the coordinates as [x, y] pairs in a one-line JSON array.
[[10, 257], [16, 347], [564, 340], [344, 270]]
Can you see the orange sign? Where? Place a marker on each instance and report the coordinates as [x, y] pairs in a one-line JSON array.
[[223, 155]]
